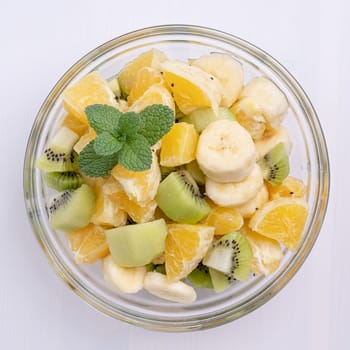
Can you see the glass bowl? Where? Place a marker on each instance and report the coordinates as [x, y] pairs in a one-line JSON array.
[[309, 162]]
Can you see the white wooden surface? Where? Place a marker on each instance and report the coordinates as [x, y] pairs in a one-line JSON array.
[[41, 39]]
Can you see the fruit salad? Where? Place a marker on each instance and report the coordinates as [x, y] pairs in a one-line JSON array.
[[175, 175]]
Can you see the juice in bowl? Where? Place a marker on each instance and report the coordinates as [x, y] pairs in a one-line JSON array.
[[176, 177]]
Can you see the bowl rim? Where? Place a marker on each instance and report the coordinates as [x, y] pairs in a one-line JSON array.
[[214, 319]]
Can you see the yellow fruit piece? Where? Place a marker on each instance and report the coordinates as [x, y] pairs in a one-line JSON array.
[[140, 186], [290, 187], [267, 252], [127, 76], [91, 89], [74, 124], [145, 78], [281, 219], [138, 212], [84, 140], [107, 213], [225, 220], [88, 244], [191, 86], [185, 247], [179, 145], [156, 94]]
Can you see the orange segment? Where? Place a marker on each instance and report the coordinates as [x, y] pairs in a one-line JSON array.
[[74, 124], [179, 145], [127, 76], [281, 219], [156, 94], [191, 86], [185, 247], [290, 187], [88, 244], [267, 252], [225, 220], [140, 186], [145, 78], [139, 212], [91, 89], [107, 212], [84, 140]]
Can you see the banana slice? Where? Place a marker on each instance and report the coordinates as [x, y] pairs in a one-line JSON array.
[[227, 70], [235, 193], [225, 151], [249, 208], [123, 279], [269, 98], [158, 285], [270, 140]]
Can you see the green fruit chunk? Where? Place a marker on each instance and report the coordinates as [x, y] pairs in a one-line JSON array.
[[72, 209], [160, 269], [200, 277], [219, 280], [63, 181], [231, 255], [275, 165], [179, 198], [194, 169], [59, 155], [113, 84], [203, 116], [137, 245]]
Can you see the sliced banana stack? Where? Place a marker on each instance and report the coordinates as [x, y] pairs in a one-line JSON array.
[[261, 105], [157, 284], [123, 279], [226, 154], [235, 193], [226, 151]]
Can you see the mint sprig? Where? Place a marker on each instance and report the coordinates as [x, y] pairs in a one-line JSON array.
[[123, 138]]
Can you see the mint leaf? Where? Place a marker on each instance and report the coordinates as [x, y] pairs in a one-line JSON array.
[[105, 144], [156, 121], [129, 124], [136, 154], [94, 165], [103, 118]]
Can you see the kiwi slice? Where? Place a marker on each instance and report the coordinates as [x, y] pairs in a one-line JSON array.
[[63, 181], [137, 245], [203, 116], [231, 255], [72, 209], [113, 84], [275, 165], [59, 155], [200, 277], [179, 198], [194, 169], [219, 280]]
